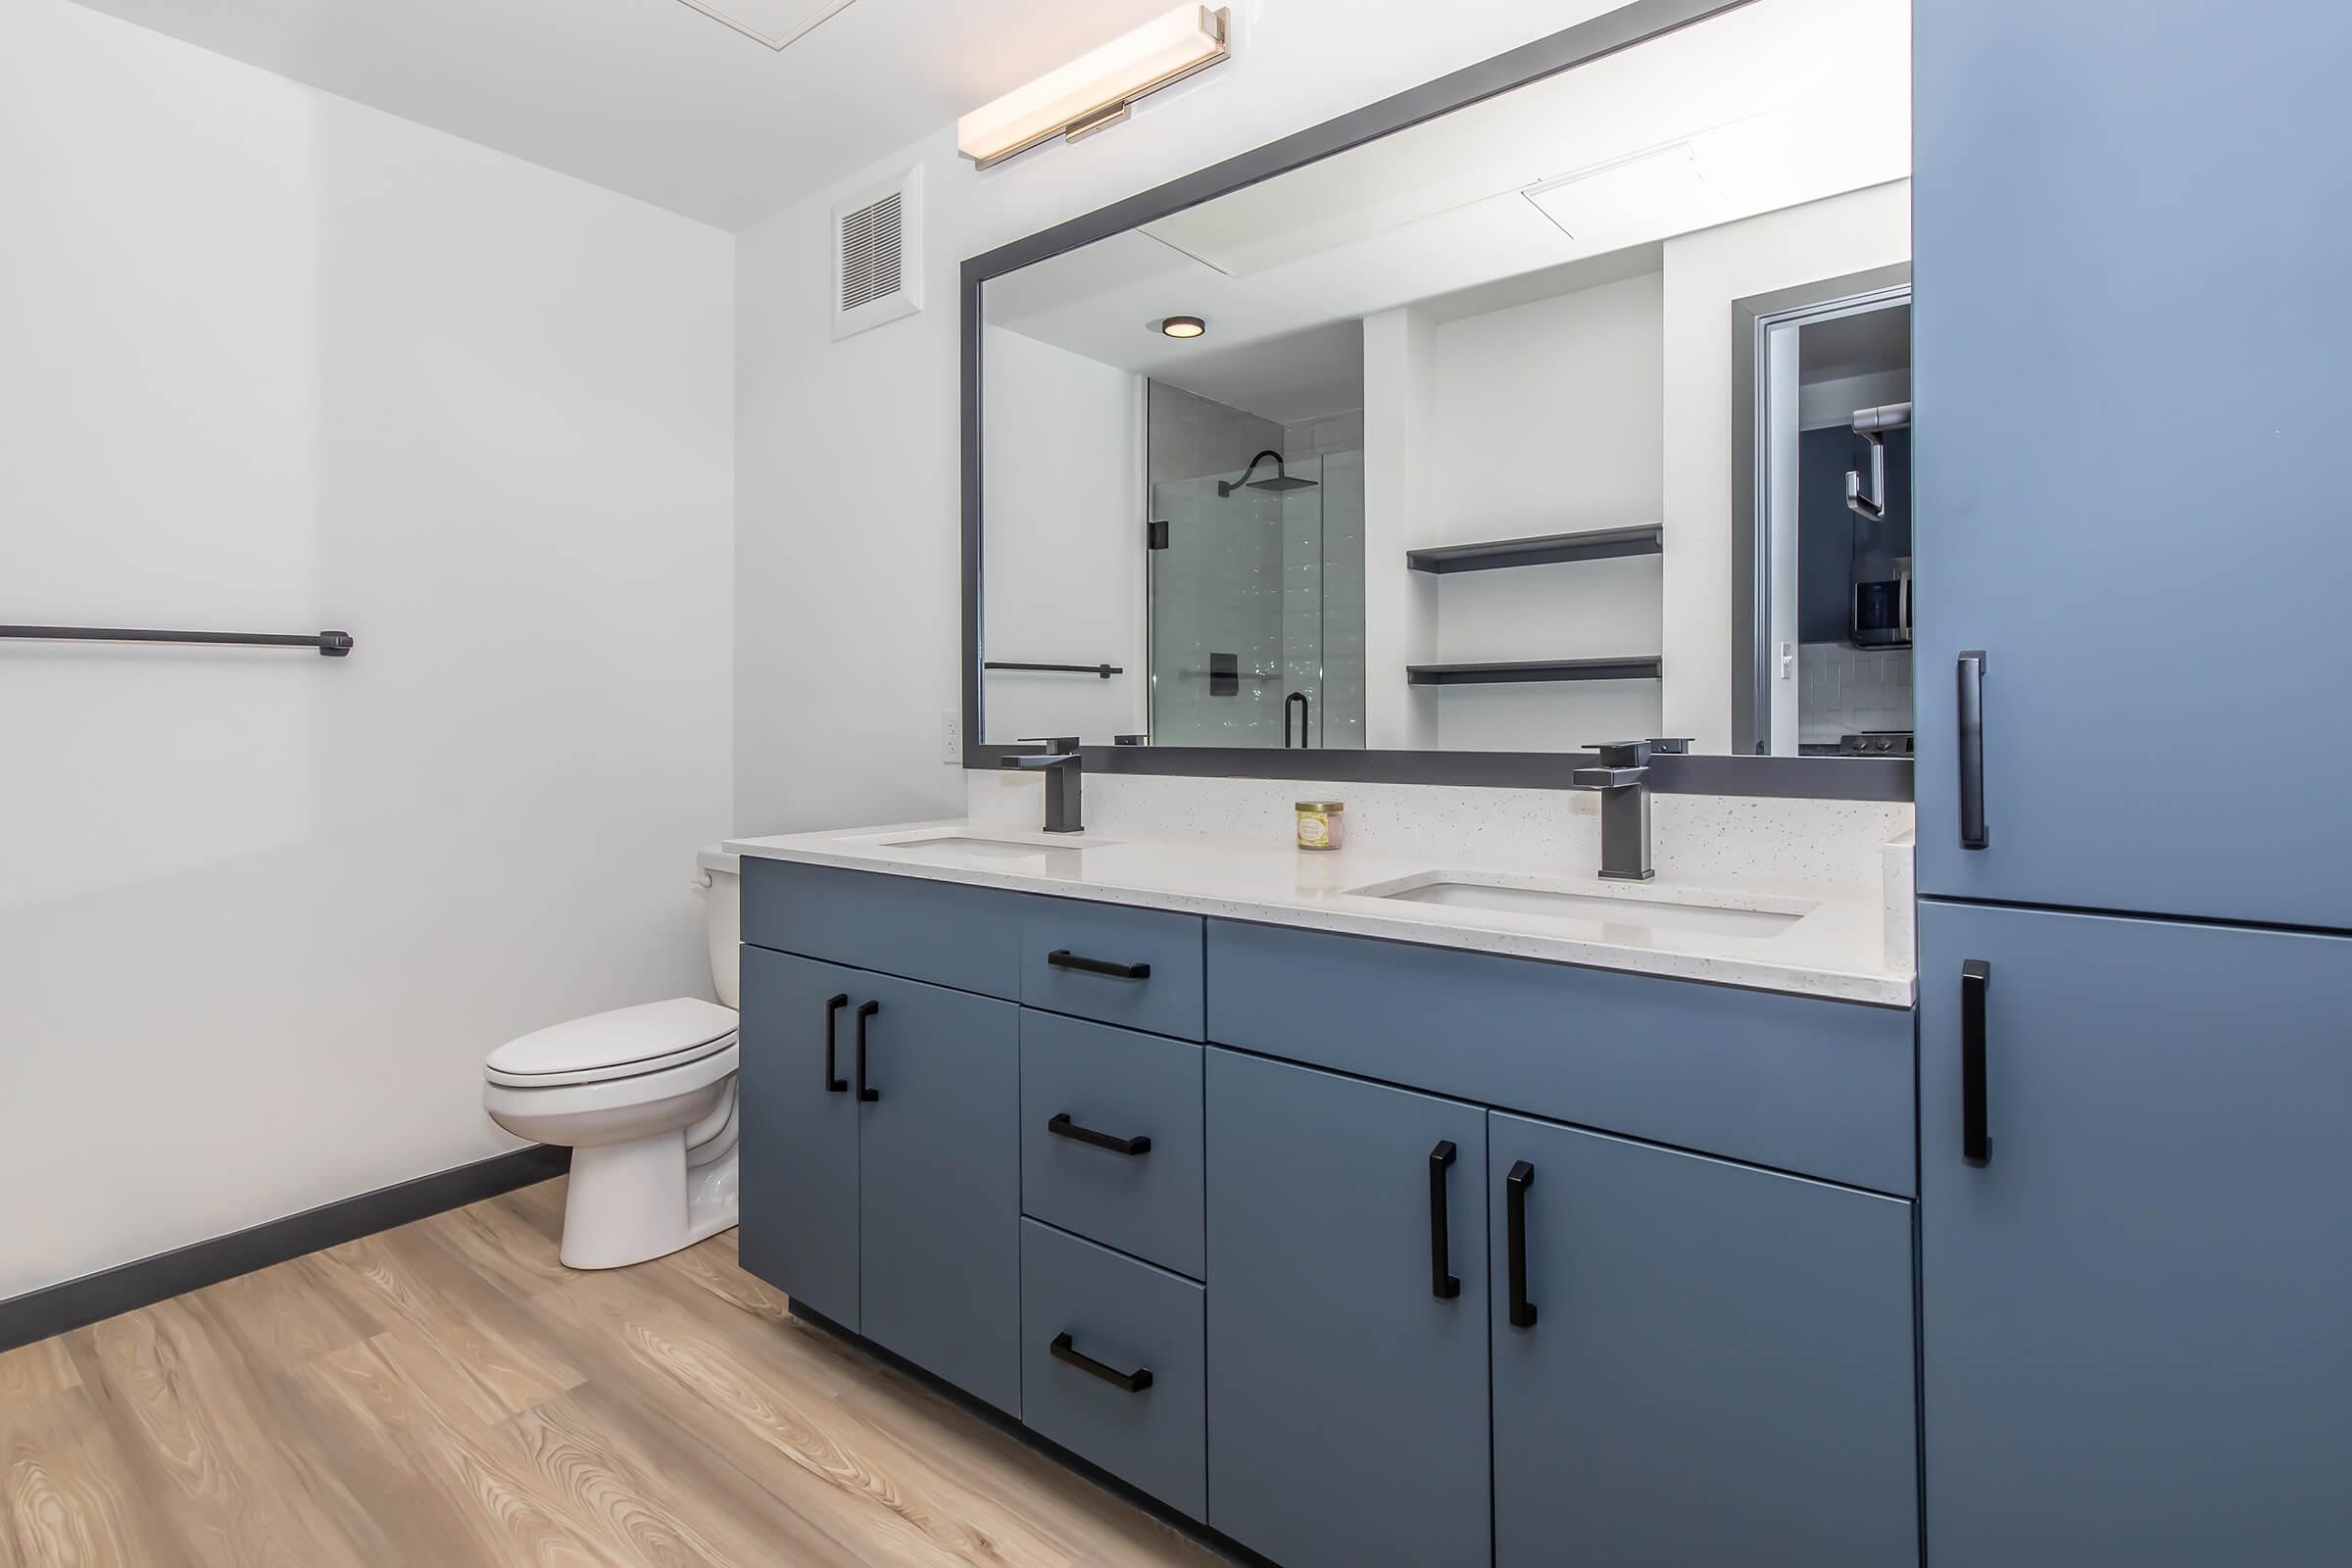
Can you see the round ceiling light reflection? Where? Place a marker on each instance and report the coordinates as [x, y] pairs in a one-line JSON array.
[[1184, 326]]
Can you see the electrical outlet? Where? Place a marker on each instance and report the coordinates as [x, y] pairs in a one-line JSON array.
[[951, 737]]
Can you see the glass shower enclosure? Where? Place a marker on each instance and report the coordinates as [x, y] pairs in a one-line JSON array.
[[1256, 603]]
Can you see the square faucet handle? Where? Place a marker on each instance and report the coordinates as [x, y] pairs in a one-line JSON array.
[[1621, 753], [1051, 743], [1671, 745]]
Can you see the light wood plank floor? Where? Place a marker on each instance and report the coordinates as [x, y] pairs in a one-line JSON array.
[[447, 1395]]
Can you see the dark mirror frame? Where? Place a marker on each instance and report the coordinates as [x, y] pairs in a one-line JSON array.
[[1626, 27]]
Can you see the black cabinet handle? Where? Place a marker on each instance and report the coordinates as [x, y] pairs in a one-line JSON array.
[[1064, 959], [834, 1085], [1060, 1126], [865, 1010], [1134, 1382], [1976, 1140], [1514, 1224], [1442, 1281], [1971, 750]]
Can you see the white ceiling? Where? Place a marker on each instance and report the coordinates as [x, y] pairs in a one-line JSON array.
[[1784, 102], [653, 98]]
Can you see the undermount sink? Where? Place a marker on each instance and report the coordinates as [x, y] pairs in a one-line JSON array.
[[963, 847], [1755, 918]]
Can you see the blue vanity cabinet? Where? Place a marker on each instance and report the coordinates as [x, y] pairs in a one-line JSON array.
[[2131, 367], [1347, 1388], [2135, 1309], [799, 1160], [1695, 1361]]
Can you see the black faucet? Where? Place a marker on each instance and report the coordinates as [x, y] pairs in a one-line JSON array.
[[1063, 769], [1623, 780]]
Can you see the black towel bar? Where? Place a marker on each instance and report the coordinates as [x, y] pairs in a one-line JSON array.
[[332, 643]]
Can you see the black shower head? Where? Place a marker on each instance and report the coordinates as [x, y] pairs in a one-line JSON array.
[[1281, 482]]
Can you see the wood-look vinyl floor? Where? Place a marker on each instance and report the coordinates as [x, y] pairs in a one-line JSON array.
[[448, 1395]]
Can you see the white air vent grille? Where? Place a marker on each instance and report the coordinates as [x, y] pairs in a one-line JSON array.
[[870, 252], [878, 263]]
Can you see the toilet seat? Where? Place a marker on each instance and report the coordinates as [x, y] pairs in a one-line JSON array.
[[625, 1043]]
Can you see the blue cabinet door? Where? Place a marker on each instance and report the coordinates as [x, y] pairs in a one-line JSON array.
[[799, 1134], [1346, 1396], [2134, 1310], [2133, 371], [939, 1184], [1715, 1364]]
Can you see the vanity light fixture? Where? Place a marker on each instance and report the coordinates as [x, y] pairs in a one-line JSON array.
[[1184, 326], [1093, 92]]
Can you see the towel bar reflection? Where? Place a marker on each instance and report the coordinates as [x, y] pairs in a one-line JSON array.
[[1105, 671], [332, 643]]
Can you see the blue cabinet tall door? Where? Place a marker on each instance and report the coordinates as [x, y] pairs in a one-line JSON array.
[[1347, 1319], [2135, 1213], [2132, 362]]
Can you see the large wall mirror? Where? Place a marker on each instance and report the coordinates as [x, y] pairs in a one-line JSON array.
[[1577, 412]]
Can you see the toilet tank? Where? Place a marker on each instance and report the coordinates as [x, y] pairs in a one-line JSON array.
[[722, 910]]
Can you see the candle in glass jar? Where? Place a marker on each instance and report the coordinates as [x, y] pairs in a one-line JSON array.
[[1321, 826]]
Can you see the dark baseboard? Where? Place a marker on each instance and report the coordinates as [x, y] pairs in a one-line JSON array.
[[75, 1303], [1184, 1524]]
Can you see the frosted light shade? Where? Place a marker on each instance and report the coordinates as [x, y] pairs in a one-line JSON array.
[[1152, 56]]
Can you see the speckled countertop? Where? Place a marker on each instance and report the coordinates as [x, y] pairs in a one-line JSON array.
[[1848, 940]]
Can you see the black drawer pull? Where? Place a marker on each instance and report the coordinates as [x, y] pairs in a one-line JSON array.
[[1134, 1382], [865, 1010], [1060, 1126], [1442, 1281], [1975, 1138], [1515, 1186], [1064, 959], [834, 1085], [1971, 711]]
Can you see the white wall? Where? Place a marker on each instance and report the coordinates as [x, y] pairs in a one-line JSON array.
[[1065, 489], [269, 360], [1705, 273], [1547, 417], [847, 468]]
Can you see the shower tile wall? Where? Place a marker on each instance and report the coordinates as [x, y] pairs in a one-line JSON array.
[[1274, 578], [1216, 589]]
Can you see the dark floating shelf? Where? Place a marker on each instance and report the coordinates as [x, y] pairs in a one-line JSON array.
[[1595, 544], [1534, 669]]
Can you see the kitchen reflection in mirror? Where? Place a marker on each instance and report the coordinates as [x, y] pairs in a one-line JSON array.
[[1581, 414]]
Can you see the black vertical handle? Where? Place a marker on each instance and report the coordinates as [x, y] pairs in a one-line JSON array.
[[865, 1010], [1971, 750], [1442, 1281], [834, 1083], [1514, 1220], [1975, 1138]]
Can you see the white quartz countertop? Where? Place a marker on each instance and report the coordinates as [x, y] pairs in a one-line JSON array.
[[1849, 942]]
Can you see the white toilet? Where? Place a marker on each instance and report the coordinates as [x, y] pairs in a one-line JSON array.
[[644, 1096]]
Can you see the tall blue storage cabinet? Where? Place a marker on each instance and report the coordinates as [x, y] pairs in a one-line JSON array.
[[2133, 370]]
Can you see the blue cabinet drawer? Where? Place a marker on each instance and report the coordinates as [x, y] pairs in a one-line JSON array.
[[943, 932], [1139, 968], [1113, 1364], [1796, 1083], [1090, 1096]]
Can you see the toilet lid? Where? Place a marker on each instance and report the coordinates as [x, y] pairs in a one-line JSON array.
[[649, 1036]]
